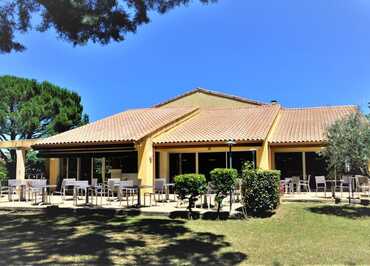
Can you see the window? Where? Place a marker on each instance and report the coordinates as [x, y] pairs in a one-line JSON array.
[[289, 163], [181, 163]]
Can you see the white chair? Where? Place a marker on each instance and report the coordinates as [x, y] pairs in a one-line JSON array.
[[80, 188], [36, 187], [320, 183], [296, 182], [345, 183], [127, 188], [305, 183], [159, 188], [67, 183], [113, 185], [362, 184], [13, 184]]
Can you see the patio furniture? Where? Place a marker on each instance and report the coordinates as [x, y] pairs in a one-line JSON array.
[[288, 184], [127, 188], [362, 184], [67, 183], [36, 188], [13, 185], [83, 188], [97, 190], [305, 183], [320, 182], [113, 186], [167, 188], [3, 190], [296, 182], [237, 190], [159, 188], [345, 183]]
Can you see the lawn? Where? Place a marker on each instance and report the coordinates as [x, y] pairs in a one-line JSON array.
[[296, 234]]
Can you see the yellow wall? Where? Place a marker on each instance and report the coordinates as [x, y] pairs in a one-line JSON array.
[[146, 163], [53, 171], [201, 99]]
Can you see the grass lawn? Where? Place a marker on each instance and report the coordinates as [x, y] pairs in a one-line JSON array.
[[296, 234]]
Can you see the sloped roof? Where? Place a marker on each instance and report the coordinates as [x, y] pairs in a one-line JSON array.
[[214, 93], [129, 126], [219, 125], [307, 125]]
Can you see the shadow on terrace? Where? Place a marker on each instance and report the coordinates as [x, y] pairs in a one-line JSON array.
[[103, 237]]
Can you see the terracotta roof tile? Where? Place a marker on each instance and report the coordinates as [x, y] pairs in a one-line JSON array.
[[128, 126], [307, 125], [219, 125]]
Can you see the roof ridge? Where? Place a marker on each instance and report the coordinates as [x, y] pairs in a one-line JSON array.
[[321, 107], [215, 93]]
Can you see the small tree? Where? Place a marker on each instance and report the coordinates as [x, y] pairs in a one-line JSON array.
[[222, 181], [348, 142], [190, 186]]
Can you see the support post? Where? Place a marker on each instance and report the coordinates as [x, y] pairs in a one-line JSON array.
[[21, 160]]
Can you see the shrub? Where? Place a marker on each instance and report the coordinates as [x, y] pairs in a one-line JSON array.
[[260, 190], [190, 186], [3, 173], [222, 181]]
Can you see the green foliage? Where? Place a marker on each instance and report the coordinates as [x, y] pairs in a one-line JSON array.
[[3, 172], [222, 181], [348, 140], [260, 189], [29, 109], [190, 186], [78, 21]]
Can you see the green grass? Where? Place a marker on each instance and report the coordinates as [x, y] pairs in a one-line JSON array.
[[297, 234]]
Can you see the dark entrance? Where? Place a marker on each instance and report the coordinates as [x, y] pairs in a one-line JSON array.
[[85, 168], [289, 163], [211, 160], [315, 166], [240, 157], [181, 163]]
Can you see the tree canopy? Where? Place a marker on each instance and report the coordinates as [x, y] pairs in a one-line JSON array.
[[348, 142], [78, 21], [30, 109]]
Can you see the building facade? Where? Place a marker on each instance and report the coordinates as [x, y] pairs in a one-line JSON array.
[[189, 134]]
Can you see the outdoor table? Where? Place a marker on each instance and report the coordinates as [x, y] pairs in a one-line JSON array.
[[167, 189], [75, 193]]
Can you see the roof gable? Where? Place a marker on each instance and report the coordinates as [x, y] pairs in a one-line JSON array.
[[203, 98]]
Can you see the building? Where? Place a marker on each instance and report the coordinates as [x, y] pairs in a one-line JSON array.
[[188, 134]]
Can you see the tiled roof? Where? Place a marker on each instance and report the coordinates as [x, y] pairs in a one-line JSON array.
[[127, 126], [215, 93], [307, 125], [219, 125]]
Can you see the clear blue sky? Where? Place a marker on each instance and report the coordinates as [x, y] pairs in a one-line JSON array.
[[302, 53]]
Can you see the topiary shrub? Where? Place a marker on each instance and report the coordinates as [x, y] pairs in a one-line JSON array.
[[260, 190], [222, 181], [190, 186]]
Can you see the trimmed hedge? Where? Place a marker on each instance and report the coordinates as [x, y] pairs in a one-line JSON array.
[[190, 186], [222, 181], [260, 190]]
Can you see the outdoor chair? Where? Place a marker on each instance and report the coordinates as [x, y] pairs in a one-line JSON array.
[[344, 183], [35, 188], [113, 185], [13, 184], [3, 190], [305, 183], [67, 183], [362, 184], [128, 190], [81, 188], [320, 182], [159, 188], [296, 182], [97, 190], [288, 185]]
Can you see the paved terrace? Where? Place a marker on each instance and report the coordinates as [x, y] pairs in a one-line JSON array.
[[170, 208]]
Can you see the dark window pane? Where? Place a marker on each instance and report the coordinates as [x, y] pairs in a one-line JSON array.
[[240, 157], [211, 160], [72, 168], [289, 163], [315, 164], [181, 163], [85, 168], [157, 165]]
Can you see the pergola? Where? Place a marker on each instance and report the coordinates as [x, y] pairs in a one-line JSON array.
[[20, 146]]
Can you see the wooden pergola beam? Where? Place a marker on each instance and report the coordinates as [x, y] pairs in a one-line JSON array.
[[18, 144]]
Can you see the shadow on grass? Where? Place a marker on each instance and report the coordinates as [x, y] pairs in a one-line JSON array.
[[105, 237], [342, 211]]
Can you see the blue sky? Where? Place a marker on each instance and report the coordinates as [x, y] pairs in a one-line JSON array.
[[302, 53]]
